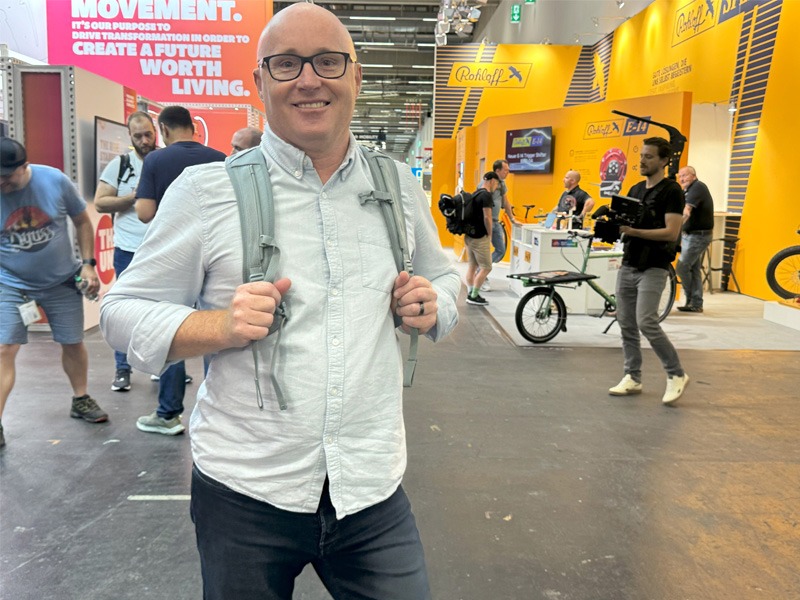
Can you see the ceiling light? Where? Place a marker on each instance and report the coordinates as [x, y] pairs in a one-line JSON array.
[[374, 43], [422, 67], [424, 44], [376, 66], [620, 4], [732, 106], [546, 41], [378, 18], [577, 39], [441, 39], [429, 20], [595, 21]]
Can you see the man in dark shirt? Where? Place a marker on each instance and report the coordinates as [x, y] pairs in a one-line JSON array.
[[649, 249], [574, 200], [478, 242], [160, 169], [698, 225]]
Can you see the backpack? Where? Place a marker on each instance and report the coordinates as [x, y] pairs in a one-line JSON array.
[[458, 212], [124, 166], [251, 184]]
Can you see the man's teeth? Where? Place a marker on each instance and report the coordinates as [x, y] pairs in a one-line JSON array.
[[312, 105]]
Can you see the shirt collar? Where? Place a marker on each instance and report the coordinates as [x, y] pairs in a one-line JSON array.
[[293, 160]]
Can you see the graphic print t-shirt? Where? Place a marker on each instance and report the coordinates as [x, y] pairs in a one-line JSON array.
[[36, 251]]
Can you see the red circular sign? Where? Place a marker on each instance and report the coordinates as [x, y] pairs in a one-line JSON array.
[[104, 249]]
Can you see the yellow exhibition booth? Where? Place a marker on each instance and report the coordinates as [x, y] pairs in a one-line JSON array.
[[719, 71]]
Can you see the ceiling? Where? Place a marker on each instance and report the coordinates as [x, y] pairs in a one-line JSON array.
[[395, 45]]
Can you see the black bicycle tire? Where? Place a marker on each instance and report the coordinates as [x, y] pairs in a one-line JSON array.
[[773, 268], [561, 307], [672, 285]]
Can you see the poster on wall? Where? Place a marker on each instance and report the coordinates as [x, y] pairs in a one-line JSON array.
[[530, 150], [110, 140], [174, 51]]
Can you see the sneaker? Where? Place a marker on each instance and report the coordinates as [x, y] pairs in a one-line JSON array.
[[152, 423], [486, 286], [694, 309], [675, 387], [86, 408], [189, 378], [627, 387], [477, 300], [122, 381]]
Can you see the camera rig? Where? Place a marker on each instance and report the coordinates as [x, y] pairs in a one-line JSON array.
[[623, 210]]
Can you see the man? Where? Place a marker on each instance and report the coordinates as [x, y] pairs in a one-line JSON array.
[[248, 137], [116, 193], [265, 478], [648, 250], [574, 200], [479, 249], [159, 170], [38, 267], [499, 200], [698, 226]]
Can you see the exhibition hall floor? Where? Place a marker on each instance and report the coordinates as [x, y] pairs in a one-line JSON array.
[[527, 480]]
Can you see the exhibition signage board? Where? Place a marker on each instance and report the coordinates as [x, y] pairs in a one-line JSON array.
[[175, 51]]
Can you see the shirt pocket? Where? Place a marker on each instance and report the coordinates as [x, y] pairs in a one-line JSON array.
[[378, 270]]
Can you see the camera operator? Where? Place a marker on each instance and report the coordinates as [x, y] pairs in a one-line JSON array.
[[649, 249]]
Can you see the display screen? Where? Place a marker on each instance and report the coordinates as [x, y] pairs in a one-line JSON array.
[[530, 150], [110, 139]]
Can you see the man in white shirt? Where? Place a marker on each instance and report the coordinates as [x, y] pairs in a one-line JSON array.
[[116, 193], [319, 482]]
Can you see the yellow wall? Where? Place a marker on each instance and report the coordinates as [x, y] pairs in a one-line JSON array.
[[672, 47]]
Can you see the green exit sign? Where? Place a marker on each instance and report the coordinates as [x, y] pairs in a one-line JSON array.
[[530, 1], [516, 13]]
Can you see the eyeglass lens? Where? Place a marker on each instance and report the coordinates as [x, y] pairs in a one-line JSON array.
[[329, 65]]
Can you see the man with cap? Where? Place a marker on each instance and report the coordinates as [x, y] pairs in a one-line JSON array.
[[39, 269]]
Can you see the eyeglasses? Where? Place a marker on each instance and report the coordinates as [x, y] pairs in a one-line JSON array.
[[286, 67]]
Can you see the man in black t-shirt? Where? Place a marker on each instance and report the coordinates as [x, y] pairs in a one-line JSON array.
[[698, 225], [160, 169], [574, 200], [479, 246], [649, 249]]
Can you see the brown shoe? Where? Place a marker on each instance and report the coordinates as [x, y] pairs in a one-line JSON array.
[[86, 408]]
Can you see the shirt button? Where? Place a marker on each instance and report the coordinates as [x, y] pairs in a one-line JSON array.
[[324, 195], [298, 174], [335, 341], [334, 391], [328, 439], [334, 292]]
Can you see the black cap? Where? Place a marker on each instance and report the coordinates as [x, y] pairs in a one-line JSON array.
[[12, 156]]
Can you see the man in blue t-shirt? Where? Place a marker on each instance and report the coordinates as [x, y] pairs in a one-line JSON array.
[[116, 193], [160, 169], [38, 269]]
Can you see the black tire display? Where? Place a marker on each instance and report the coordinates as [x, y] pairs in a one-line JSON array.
[[783, 273], [540, 315]]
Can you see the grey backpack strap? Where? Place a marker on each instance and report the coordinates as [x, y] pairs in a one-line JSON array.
[[261, 256], [389, 197]]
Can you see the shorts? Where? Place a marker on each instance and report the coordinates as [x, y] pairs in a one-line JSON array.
[[63, 305], [479, 251]]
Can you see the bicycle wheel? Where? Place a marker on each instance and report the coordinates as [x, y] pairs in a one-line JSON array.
[[783, 273], [668, 295], [541, 314]]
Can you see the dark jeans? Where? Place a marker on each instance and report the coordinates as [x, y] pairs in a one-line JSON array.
[[122, 258], [693, 247], [251, 550], [171, 389]]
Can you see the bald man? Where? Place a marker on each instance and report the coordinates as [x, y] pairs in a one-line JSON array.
[[698, 225], [247, 137], [574, 200], [306, 466]]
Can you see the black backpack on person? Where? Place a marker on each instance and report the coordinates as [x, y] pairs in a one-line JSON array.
[[458, 212]]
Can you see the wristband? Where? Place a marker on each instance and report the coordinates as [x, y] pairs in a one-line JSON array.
[[89, 261]]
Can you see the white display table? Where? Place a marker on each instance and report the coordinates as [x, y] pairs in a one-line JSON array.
[[534, 248]]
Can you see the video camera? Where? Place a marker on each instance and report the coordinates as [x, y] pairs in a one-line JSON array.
[[623, 210]]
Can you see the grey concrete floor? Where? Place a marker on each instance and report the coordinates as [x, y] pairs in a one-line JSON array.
[[528, 481]]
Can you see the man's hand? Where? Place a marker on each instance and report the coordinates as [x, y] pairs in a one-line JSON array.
[[252, 311], [89, 274], [415, 300]]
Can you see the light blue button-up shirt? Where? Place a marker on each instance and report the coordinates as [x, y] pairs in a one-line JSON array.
[[338, 361]]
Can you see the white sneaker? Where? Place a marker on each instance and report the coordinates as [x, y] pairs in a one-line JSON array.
[[675, 387], [626, 387], [486, 286]]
